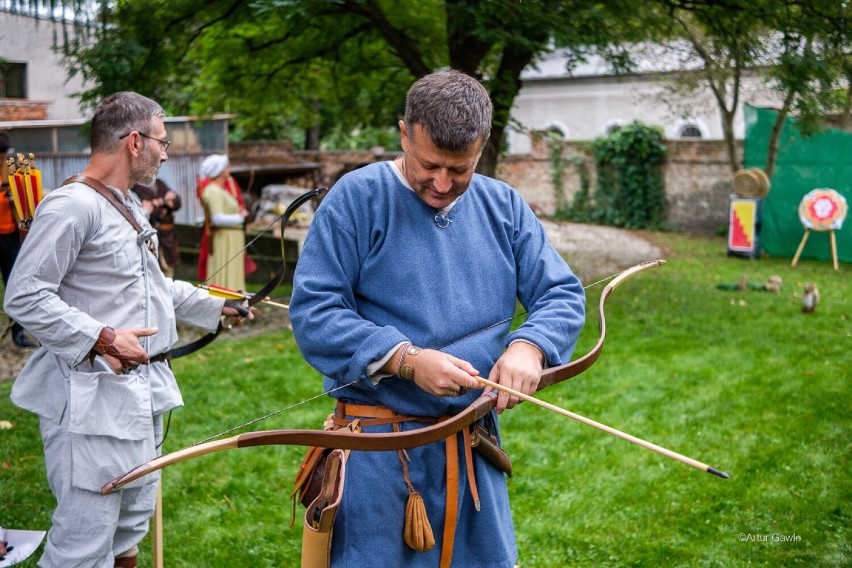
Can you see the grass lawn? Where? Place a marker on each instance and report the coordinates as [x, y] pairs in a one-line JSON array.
[[743, 381]]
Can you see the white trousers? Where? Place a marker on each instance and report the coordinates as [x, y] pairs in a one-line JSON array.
[[89, 529]]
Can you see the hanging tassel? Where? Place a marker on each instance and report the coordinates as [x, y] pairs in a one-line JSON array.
[[417, 532]]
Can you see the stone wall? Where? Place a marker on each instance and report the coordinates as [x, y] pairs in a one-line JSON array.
[[697, 180], [699, 184], [697, 176]]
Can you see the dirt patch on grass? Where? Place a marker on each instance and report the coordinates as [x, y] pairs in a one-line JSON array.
[[595, 252]]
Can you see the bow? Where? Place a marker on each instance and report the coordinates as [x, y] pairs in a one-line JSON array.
[[346, 440], [267, 288]]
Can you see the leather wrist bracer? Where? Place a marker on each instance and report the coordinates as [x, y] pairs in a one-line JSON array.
[[104, 345]]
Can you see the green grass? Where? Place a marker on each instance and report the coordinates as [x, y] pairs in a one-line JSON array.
[[743, 381]]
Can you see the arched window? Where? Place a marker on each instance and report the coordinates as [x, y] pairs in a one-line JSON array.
[[688, 128], [690, 131], [611, 126], [556, 128]]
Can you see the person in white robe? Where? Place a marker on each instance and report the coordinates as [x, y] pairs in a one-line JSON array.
[[89, 287]]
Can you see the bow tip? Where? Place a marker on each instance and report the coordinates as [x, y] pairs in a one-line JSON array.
[[126, 478]]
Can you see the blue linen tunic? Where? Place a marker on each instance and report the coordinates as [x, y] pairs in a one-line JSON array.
[[376, 270]]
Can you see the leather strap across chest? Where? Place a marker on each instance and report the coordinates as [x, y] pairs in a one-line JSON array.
[[108, 195]]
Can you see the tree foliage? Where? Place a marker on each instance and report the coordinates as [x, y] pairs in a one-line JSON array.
[[325, 67], [801, 47], [316, 71], [814, 61]]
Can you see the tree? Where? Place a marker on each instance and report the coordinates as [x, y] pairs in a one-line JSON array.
[[289, 65], [314, 70], [800, 47], [715, 47], [815, 59]]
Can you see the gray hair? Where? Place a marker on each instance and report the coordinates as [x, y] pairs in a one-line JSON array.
[[118, 115], [454, 108]]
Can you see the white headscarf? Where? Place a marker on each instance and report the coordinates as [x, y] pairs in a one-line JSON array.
[[213, 165]]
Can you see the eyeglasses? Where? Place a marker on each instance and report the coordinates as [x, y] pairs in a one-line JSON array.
[[164, 144]]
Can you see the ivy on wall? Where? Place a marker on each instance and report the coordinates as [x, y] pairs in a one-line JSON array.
[[630, 191], [576, 210]]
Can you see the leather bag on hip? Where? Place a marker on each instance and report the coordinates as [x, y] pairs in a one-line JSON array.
[[320, 514]]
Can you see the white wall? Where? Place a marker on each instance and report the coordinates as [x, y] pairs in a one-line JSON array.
[[29, 40], [583, 105]]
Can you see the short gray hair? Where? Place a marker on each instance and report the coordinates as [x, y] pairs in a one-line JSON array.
[[454, 108], [118, 115]]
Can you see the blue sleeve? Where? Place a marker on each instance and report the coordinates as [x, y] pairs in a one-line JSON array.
[[330, 333], [547, 288]]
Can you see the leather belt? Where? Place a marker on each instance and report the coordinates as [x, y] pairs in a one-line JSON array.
[[372, 415], [162, 357]]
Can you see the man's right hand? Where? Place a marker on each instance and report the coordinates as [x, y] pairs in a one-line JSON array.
[[436, 372], [129, 350]]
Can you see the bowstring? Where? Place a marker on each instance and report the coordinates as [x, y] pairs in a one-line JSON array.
[[246, 247], [349, 384], [517, 315], [271, 414]]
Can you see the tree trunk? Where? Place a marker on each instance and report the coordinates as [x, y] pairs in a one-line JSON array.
[[468, 51], [772, 151], [777, 127], [312, 137], [487, 165], [730, 143], [312, 133]]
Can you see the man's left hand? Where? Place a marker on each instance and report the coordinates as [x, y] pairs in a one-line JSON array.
[[519, 368], [238, 311]]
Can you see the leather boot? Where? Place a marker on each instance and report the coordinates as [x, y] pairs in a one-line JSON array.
[[127, 559], [125, 562]]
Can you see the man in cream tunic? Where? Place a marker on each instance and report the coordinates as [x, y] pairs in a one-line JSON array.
[[84, 279]]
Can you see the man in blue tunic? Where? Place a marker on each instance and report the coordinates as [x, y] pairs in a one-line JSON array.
[[406, 268]]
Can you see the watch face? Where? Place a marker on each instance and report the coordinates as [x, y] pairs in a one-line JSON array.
[[413, 350]]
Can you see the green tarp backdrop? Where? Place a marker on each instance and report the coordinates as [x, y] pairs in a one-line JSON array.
[[821, 161]]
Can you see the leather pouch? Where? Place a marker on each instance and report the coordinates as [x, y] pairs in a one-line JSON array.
[[485, 444], [320, 514], [308, 482]]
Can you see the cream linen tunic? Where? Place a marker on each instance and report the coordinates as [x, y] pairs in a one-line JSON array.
[[83, 267]]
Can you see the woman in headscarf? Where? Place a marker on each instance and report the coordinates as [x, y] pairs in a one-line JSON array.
[[226, 215]]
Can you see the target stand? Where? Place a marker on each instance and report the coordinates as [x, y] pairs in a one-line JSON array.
[[821, 210]]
